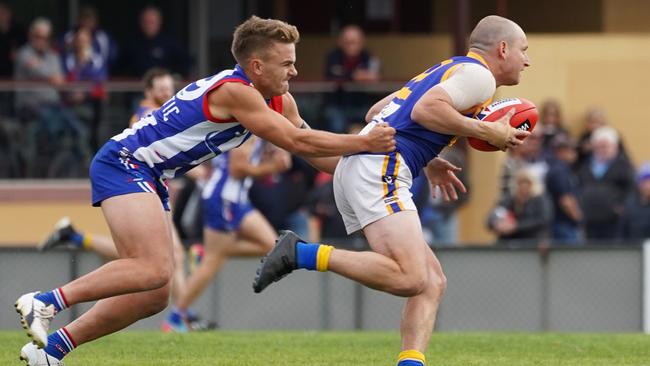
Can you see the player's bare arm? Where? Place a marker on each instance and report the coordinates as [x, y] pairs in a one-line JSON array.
[[290, 111], [247, 106], [240, 165], [435, 112], [377, 107]]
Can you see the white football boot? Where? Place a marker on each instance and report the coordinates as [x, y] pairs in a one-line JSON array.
[[35, 356], [35, 317]]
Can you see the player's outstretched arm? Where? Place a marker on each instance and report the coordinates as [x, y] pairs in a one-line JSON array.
[[435, 112], [290, 111], [247, 106]]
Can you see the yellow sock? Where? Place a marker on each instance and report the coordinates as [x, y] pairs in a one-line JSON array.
[[410, 355], [323, 257], [87, 242]]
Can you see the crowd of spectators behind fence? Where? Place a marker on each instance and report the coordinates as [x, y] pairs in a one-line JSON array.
[[554, 189]]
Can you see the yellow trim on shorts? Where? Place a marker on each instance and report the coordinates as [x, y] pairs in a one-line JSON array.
[[396, 173], [384, 169]]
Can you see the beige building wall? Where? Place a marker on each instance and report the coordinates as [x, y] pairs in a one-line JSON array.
[[27, 223], [626, 15]]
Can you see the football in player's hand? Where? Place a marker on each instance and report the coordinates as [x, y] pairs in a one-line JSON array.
[[525, 118]]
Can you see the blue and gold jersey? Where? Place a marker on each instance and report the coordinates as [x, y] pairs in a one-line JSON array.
[[417, 144]]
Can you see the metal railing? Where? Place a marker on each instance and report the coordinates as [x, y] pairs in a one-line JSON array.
[[73, 131]]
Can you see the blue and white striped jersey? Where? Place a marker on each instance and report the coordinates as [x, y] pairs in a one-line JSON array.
[[183, 133]]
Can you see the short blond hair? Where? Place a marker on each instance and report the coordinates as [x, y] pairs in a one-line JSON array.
[[257, 34], [529, 174]]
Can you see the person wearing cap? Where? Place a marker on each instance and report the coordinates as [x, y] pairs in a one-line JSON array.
[[635, 221]]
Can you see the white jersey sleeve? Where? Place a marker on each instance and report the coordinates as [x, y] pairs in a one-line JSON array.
[[469, 85]]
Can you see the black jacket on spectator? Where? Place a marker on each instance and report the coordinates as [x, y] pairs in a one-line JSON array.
[[141, 54], [602, 200], [533, 219], [340, 68], [560, 181], [635, 221], [321, 204], [10, 42]]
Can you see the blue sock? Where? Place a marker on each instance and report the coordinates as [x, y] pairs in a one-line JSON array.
[[306, 255], [176, 316], [54, 297], [410, 363], [59, 344], [77, 239]]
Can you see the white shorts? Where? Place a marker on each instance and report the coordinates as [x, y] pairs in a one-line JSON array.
[[370, 187]]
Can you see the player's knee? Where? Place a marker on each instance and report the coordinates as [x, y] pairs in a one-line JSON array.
[[438, 283], [158, 302], [412, 285], [156, 277]]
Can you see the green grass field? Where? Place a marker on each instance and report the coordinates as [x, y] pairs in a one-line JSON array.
[[346, 348]]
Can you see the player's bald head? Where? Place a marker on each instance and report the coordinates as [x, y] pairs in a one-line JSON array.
[[493, 29]]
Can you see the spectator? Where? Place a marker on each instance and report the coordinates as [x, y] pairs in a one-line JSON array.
[[528, 155], [635, 221], [525, 216], [281, 197], [552, 124], [37, 61], [561, 185], [151, 48], [605, 182], [12, 36], [595, 119], [350, 61], [56, 142], [103, 45], [324, 218], [82, 64]]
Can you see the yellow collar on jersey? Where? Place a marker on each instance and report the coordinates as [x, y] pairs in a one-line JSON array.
[[478, 57]]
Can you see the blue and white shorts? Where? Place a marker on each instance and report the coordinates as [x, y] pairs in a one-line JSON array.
[[114, 172], [224, 215]]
